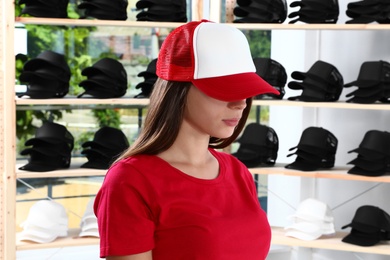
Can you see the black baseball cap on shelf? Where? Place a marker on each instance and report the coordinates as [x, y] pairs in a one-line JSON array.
[[103, 81], [318, 141], [148, 83], [109, 137], [375, 145], [371, 73], [370, 224], [315, 4], [104, 86], [180, 16], [356, 170], [304, 165], [268, 12], [43, 89], [142, 4], [39, 162], [364, 100], [109, 6], [259, 144], [278, 6], [48, 149], [274, 73], [48, 58], [150, 71], [370, 165], [96, 160], [146, 90], [46, 9], [327, 160], [49, 72], [315, 11], [368, 92], [97, 13], [52, 133], [320, 71], [310, 94], [96, 91], [109, 67], [319, 86]]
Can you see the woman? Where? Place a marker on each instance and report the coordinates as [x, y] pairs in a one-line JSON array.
[[172, 195]]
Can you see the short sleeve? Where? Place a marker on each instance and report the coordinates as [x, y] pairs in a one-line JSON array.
[[125, 219]]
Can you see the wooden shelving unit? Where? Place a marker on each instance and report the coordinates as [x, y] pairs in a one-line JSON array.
[[278, 238], [331, 243], [9, 104]]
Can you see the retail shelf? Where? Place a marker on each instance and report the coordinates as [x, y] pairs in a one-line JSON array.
[[148, 24], [338, 104], [335, 173], [340, 173], [73, 171], [71, 240], [331, 243], [140, 102], [83, 101], [95, 22], [278, 238]]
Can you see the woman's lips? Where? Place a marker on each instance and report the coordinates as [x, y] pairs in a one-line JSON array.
[[231, 122]]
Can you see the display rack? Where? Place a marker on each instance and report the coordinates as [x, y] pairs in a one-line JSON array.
[[9, 104]]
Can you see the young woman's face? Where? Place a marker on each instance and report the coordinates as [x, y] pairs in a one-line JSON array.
[[210, 116]]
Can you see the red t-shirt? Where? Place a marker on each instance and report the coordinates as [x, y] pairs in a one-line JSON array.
[[146, 204]]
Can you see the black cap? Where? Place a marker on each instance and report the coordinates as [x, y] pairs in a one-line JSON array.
[[52, 133], [96, 159], [259, 145], [318, 141], [40, 162], [315, 11], [47, 9], [150, 71], [274, 73], [142, 4], [46, 59], [371, 73], [370, 225], [108, 66], [375, 145], [40, 88], [108, 137], [370, 165]]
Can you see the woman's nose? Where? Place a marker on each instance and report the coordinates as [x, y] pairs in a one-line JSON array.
[[239, 104]]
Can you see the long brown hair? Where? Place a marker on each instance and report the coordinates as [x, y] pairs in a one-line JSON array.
[[164, 117]]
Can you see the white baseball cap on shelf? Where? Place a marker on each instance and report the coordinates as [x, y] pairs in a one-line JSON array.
[[47, 214], [312, 219], [46, 221]]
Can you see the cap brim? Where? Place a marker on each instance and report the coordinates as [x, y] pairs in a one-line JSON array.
[[369, 153], [363, 83], [366, 92], [234, 87], [39, 166], [36, 236], [89, 233], [374, 165], [359, 171], [95, 165], [42, 140], [360, 240], [304, 231], [302, 165], [45, 151]]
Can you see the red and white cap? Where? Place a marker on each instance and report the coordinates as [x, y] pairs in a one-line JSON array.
[[215, 57]]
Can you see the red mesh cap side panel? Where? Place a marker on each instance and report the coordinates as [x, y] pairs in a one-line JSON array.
[[176, 58]]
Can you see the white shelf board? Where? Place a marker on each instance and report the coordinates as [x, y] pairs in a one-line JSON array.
[[340, 173]]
